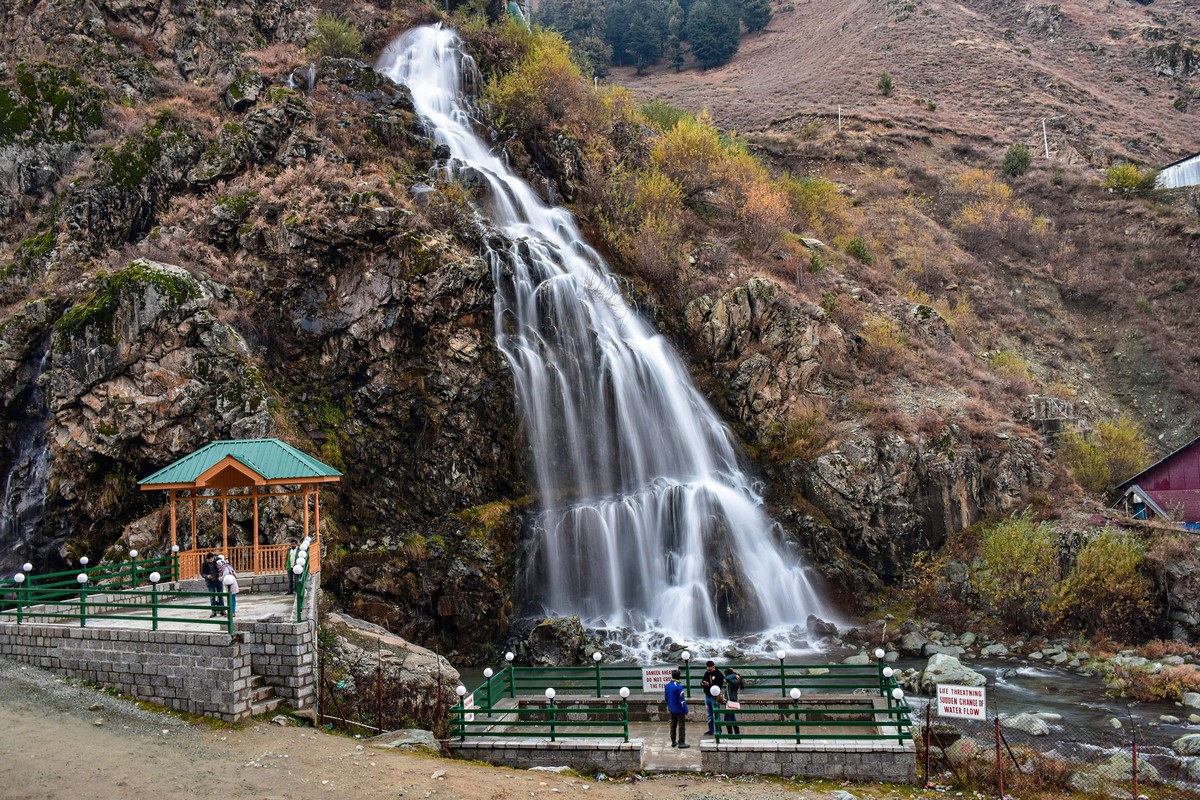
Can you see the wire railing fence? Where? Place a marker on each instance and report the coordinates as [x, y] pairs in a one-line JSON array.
[[366, 695], [1034, 755]]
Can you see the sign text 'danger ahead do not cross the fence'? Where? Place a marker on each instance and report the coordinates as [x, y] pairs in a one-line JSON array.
[[962, 701], [655, 679]]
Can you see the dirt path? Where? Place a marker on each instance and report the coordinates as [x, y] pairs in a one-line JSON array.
[[64, 740]]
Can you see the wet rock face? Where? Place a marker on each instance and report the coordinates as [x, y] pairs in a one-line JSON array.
[[557, 642]]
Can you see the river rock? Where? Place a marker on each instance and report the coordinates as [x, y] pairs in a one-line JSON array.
[[1027, 723], [1194, 719], [944, 668], [994, 650], [558, 642], [949, 650], [1187, 745], [1120, 766], [1194, 771], [964, 749], [1167, 719], [967, 639], [1037, 655], [1191, 699], [913, 643], [1115, 723], [1059, 658], [819, 627], [858, 660], [1047, 716]]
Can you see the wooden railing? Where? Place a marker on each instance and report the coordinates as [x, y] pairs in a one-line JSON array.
[[271, 558]]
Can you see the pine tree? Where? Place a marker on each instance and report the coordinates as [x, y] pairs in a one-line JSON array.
[[675, 19], [713, 30], [643, 42], [756, 14]]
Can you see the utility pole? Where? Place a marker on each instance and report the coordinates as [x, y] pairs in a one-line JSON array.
[[1045, 139]]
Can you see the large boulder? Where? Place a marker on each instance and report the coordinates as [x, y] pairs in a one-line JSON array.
[[1187, 745], [557, 642], [944, 668], [1027, 723]]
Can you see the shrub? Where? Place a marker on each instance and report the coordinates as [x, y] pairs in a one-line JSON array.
[[662, 115], [885, 85], [885, 340], [1017, 572], [1126, 178], [1105, 591], [857, 248], [334, 37], [692, 154], [542, 92], [820, 202], [1017, 161], [1113, 452]]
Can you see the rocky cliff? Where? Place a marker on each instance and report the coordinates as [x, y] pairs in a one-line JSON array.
[[212, 235]]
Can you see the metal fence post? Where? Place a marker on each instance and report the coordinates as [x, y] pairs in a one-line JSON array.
[[999, 763], [928, 730], [379, 697], [154, 606], [228, 611], [1135, 766]]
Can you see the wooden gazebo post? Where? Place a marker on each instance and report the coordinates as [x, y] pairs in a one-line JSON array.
[[255, 501]]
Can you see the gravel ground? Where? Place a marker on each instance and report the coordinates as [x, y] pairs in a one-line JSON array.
[[65, 740]]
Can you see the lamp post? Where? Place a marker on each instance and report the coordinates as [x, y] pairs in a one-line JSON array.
[[879, 654], [625, 707], [133, 554], [461, 691], [781, 655], [512, 678], [686, 655], [715, 691], [154, 579], [19, 579], [795, 695], [597, 657], [487, 687], [174, 562], [82, 579], [550, 705]]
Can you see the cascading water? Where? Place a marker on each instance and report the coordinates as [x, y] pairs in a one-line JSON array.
[[647, 522]]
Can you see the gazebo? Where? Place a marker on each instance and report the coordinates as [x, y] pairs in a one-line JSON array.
[[243, 469]]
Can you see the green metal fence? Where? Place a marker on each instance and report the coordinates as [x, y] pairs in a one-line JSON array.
[[34, 604], [771, 707], [122, 575]]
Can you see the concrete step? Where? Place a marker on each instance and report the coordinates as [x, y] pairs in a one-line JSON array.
[[266, 706], [260, 693]]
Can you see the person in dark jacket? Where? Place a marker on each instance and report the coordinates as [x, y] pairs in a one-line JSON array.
[[677, 705], [733, 685], [212, 578], [712, 677]]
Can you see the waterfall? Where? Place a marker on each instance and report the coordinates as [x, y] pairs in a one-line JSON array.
[[27, 477], [647, 523]]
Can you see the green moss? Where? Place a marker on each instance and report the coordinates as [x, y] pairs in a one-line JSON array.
[[48, 103], [98, 310], [29, 252], [278, 94], [132, 161], [239, 204], [106, 429]]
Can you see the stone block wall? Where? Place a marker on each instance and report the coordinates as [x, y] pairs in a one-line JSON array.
[[838, 760], [199, 673], [578, 754]]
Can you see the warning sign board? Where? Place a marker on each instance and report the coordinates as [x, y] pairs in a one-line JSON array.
[[962, 701], [469, 702], [655, 679]]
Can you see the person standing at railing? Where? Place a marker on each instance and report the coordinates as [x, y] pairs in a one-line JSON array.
[[712, 677], [229, 581], [677, 705], [212, 579], [293, 553], [733, 685]]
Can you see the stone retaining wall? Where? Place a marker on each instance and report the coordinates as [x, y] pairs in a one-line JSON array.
[[199, 673], [598, 755], [839, 760]]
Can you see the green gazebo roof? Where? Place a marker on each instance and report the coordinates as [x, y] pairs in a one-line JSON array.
[[271, 459]]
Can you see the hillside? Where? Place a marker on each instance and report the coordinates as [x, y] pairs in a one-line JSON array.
[[1113, 80]]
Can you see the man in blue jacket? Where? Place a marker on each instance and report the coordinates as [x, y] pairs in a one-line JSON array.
[[677, 705]]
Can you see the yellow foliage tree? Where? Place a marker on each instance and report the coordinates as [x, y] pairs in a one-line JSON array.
[[691, 154], [1105, 591], [1018, 572], [762, 216], [1115, 450], [544, 90]]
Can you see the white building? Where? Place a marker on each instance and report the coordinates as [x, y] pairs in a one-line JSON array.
[[1184, 172]]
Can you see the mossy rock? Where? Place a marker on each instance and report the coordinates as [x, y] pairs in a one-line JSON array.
[[98, 311], [48, 104], [244, 91]]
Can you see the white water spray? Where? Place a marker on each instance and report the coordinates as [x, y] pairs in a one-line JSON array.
[[647, 522]]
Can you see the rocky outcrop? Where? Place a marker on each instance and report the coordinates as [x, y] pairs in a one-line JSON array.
[[944, 668], [557, 642]]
